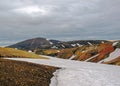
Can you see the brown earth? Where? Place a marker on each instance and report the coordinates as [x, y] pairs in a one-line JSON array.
[[17, 73]]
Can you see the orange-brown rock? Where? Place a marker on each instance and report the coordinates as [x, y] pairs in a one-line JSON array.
[[66, 53], [103, 50], [84, 56], [85, 52]]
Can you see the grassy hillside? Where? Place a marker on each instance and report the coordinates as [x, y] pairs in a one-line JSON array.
[[16, 73], [10, 52]]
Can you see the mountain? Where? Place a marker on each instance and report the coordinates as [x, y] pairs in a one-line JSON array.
[[85, 52], [43, 43], [82, 50], [35, 43]]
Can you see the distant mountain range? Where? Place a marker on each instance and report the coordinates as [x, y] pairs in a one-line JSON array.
[[99, 51], [43, 43]]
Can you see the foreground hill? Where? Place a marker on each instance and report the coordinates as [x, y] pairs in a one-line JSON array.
[[77, 73], [16, 73], [10, 52]]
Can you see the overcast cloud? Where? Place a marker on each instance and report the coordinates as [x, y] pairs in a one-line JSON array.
[[59, 19]]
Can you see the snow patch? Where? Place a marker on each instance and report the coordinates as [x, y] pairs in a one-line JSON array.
[[54, 47], [51, 43], [72, 57], [30, 51], [115, 43], [63, 46], [89, 43], [91, 57], [73, 45], [78, 44]]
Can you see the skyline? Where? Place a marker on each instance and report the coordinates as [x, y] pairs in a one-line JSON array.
[[61, 20]]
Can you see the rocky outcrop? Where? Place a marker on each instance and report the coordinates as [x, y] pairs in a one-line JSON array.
[[85, 52], [103, 50], [66, 53]]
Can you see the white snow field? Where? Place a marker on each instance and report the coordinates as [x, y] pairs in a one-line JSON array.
[[76, 73]]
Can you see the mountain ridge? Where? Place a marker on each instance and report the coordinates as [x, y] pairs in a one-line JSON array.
[[81, 50], [44, 43]]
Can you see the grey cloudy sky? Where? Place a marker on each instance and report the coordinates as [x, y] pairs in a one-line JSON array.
[[59, 19]]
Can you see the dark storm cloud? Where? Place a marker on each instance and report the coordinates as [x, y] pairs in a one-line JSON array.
[[59, 19]]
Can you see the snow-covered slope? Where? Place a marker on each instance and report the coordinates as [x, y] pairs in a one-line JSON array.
[[76, 73]]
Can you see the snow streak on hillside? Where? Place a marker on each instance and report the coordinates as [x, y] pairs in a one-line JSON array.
[[76, 73], [112, 56], [91, 57]]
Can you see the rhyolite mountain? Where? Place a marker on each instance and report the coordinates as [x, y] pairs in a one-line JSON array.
[[43, 43], [99, 51]]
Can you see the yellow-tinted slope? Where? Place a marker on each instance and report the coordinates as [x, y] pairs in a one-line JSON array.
[[10, 52]]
